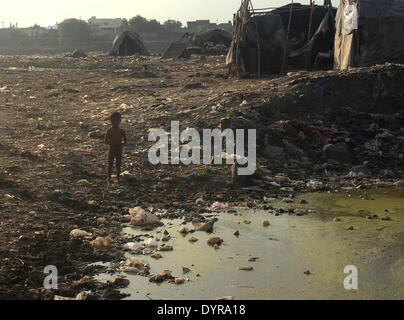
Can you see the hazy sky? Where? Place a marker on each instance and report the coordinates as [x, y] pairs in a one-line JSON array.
[[47, 12]]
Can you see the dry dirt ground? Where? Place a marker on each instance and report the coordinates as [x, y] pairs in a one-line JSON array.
[[323, 130]]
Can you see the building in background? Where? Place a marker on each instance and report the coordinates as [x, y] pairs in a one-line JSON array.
[[206, 25], [104, 24]]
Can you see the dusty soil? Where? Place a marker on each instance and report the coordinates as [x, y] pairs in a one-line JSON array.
[[312, 128]]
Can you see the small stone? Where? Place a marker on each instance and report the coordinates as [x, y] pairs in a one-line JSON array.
[[246, 268], [386, 219], [287, 200], [336, 220], [179, 281], [166, 248], [303, 201], [185, 270], [247, 222], [192, 240], [216, 246], [350, 228], [307, 272], [199, 201], [237, 233], [184, 231], [265, 223], [214, 240], [102, 220], [156, 256]]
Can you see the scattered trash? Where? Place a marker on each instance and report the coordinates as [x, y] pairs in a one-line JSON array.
[[80, 234]]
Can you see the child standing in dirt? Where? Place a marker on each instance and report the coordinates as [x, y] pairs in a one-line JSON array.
[[115, 138]]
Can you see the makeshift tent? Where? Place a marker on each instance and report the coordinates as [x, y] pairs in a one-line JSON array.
[[311, 35], [128, 43], [369, 32], [215, 37], [264, 40], [178, 49]]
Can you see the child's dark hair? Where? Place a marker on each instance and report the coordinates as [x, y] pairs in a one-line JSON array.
[[115, 115]]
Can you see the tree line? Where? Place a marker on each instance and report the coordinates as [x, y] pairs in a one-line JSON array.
[[74, 31]]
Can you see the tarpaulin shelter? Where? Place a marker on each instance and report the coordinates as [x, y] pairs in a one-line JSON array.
[[269, 41], [178, 49], [215, 36], [369, 32], [128, 43], [311, 34]]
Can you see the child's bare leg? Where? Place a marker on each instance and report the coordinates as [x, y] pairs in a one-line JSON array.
[[110, 164], [118, 165]]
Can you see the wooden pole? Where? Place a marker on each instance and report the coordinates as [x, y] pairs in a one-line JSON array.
[[287, 39], [311, 20], [258, 42]]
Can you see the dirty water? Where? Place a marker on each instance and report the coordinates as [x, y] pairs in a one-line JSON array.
[[282, 253]]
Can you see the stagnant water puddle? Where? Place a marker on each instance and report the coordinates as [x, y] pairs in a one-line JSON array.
[[282, 252]]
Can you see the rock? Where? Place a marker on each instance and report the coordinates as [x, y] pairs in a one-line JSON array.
[[184, 231], [120, 282], [307, 273], [192, 239], [266, 223], [156, 256], [339, 152], [199, 201], [350, 228], [207, 226], [101, 242], [142, 218], [80, 234], [102, 220], [185, 270], [150, 243], [161, 277], [216, 246], [300, 212], [179, 281], [303, 201], [336, 219], [249, 268], [132, 246], [237, 233], [247, 222], [386, 219], [214, 240], [166, 248], [135, 265]]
